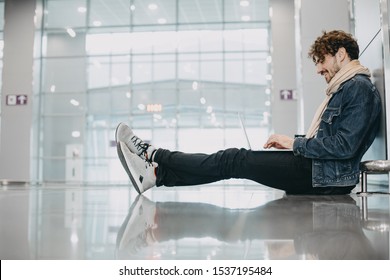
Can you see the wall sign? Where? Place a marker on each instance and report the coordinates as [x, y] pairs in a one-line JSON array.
[[288, 94], [16, 99]]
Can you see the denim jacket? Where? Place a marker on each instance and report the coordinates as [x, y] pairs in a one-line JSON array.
[[348, 127]]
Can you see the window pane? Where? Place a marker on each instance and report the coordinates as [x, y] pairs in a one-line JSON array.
[[109, 13], [75, 11], [173, 70]]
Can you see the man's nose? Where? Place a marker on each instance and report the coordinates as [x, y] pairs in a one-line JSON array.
[[319, 68]]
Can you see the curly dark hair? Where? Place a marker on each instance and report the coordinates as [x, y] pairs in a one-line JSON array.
[[330, 42]]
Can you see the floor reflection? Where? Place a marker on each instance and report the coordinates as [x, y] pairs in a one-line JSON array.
[[293, 227], [231, 222]]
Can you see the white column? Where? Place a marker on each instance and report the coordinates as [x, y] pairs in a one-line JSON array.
[[295, 25], [314, 16], [16, 103], [284, 111]]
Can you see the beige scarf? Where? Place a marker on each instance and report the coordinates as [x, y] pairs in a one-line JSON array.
[[345, 73]]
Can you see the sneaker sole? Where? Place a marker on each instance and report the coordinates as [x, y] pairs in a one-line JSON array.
[[126, 167], [116, 133]]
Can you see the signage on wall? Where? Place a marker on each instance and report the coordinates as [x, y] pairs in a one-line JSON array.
[[288, 94], [16, 99]]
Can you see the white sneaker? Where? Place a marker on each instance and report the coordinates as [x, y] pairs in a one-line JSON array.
[[141, 172], [136, 145], [138, 226]]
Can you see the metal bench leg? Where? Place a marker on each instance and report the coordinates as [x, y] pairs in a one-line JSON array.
[[363, 182]]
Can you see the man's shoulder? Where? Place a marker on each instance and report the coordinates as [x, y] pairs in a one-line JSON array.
[[361, 77], [358, 85], [358, 80]]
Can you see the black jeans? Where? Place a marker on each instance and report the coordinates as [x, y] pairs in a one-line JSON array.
[[277, 169]]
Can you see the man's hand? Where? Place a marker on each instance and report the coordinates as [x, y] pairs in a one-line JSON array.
[[279, 141]]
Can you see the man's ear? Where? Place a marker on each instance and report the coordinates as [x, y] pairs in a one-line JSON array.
[[341, 54]]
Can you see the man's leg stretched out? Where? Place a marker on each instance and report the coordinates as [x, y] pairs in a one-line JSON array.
[[148, 166]]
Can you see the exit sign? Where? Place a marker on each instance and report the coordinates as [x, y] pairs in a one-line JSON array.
[[288, 94], [16, 99]]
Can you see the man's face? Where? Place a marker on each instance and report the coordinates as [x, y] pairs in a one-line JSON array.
[[329, 67]]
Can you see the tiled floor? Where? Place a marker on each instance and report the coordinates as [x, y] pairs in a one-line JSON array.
[[205, 222]]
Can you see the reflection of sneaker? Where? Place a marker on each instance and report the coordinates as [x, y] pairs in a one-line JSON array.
[[136, 145], [141, 172], [139, 226]]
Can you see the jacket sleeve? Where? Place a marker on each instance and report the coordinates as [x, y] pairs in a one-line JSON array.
[[344, 127]]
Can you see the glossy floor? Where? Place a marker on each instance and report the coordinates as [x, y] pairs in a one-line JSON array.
[[231, 221]]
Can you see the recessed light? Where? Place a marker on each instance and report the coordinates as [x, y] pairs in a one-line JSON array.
[[76, 134], [244, 3], [162, 21], [97, 23], [71, 32], [245, 18], [82, 10], [152, 6]]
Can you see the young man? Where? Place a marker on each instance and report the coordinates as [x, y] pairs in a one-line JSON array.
[[325, 161]]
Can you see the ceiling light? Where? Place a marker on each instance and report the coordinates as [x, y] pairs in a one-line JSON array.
[[71, 32], [74, 102], [157, 116], [194, 85], [152, 6], [76, 134], [97, 23], [82, 10], [162, 21], [132, 7], [244, 3], [245, 18]]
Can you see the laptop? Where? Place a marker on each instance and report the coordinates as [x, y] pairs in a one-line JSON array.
[[248, 141], [244, 131]]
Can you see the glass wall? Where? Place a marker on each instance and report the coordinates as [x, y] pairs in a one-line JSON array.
[[178, 72]]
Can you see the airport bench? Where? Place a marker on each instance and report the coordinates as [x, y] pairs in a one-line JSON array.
[[372, 167]]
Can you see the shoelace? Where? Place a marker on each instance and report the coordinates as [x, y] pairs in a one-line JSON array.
[[140, 145], [148, 164]]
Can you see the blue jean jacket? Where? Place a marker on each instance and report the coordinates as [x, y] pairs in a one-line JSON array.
[[347, 129]]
